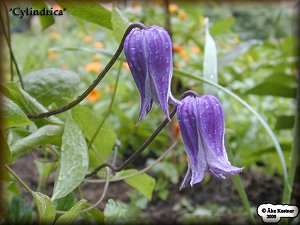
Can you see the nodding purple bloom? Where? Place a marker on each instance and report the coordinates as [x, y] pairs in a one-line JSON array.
[[149, 55], [201, 122]]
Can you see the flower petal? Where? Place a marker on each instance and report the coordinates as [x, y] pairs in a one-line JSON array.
[[135, 52], [160, 59], [211, 126], [188, 123]]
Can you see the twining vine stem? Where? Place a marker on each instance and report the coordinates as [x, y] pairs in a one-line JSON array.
[[96, 81], [144, 145]]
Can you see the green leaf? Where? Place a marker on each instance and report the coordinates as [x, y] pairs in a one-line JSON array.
[[65, 203], [119, 23], [94, 216], [45, 208], [46, 20], [222, 26], [272, 88], [142, 182], [28, 104], [210, 66], [74, 160], [50, 85], [285, 122], [12, 114], [18, 212], [115, 213], [5, 149], [88, 10], [70, 216], [104, 141], [49, 134]]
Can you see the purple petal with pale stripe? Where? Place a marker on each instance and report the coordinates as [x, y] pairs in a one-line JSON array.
[[135, 52], [188, 124], [212, 129]]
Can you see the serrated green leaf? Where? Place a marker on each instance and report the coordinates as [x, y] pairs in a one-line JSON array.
[[210, 64], [70, 216], [273, 88], [45, 208], [142, 182], [114, 213], [88, 10], [12, 114], [50, 85], [74, 160], [104, 141], [46, 20], [119, 23], [49, 134]]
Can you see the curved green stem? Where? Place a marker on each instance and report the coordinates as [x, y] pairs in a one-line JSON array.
[[252, 110]]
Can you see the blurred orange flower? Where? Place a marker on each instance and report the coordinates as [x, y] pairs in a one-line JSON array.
[[65, 66], [173, 8], [54, 36], [176, 130], [195, 50], [125, 65], [52, 55], [94, 96], [178, 48], [56, 7], [98, 45], [135, 5], [88, 38], [182, 15], [93, 67], [186, 158], [97, 56]]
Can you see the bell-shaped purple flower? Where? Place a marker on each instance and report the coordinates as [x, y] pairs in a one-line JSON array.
[[149, 55], [201, 122]]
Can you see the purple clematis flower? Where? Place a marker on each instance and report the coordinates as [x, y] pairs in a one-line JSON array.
[[201, 122], [149, 55]]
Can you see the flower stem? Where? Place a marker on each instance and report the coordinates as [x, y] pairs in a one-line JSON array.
[[18, 179], [95, 82], [240, 188]]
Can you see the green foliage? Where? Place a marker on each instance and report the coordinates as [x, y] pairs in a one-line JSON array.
[[70, 216], [261, 73], [46, 20], [119, 23], [45, 207], [51, 86], [115, 213], [73, 160], [103, 144], [142, 182], [12, 114], [18, 212], [90, 11], [210, 64], [48, 134]]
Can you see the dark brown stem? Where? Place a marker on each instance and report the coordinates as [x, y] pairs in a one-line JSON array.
[[138, 152], [96, 81], [146, 143]]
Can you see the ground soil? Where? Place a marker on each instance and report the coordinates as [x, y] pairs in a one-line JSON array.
[[261, 188]]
